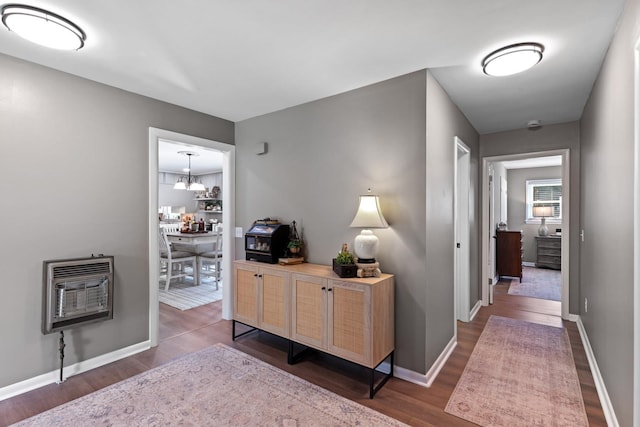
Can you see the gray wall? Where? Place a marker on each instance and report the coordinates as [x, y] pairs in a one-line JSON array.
[[550, 137], [517, 205], [325, 153], [444, 121], [82, 149], [606, 264]]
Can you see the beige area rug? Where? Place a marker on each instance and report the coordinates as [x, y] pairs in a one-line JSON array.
[[185, 295], [540, 283], [218, 386], [520, 374]]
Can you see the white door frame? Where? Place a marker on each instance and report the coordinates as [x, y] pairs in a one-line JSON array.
[[566, 222], [228, 218], [462, 238], [491, 243], [636, 240]]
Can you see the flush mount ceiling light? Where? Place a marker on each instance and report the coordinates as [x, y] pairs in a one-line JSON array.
[[43, 27], [512, 59]]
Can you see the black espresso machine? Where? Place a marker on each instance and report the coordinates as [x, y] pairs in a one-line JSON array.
[[266, 241]]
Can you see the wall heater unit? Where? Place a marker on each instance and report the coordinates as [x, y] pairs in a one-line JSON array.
[[77, 292]]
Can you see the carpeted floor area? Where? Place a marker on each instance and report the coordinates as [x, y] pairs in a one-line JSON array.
[[540, 283], [520, 374], [217, 386]]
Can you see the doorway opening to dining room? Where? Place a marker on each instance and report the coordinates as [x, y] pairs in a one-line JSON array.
[[215, 214]]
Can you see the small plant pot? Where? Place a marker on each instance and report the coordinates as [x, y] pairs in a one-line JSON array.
[[295, 250], [345, 270]]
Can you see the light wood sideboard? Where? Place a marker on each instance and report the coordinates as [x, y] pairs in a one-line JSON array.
[[310, 305]]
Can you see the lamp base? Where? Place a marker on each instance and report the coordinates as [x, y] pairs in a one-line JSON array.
[[365, 246], [368, 269], [543, 230]]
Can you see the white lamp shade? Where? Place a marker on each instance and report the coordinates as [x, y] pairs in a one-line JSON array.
[[180, 185], [196, 186], [369, 214], [542, 211]]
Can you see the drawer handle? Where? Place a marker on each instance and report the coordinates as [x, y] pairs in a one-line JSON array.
[[323, 288], [330, 289]]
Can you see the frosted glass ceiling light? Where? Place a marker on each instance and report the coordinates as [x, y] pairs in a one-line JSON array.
[[512, 59], [191, 183], [42, 27]]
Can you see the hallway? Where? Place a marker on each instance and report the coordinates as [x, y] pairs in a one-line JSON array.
[[192, 330]]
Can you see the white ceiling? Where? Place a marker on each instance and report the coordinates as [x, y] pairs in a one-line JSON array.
[[203, 161], [240, 59]]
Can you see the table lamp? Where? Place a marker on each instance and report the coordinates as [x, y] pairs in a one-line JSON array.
[[543, 212], [368, 216]]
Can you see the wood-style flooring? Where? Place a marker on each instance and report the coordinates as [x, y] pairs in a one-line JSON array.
[[195, 329]]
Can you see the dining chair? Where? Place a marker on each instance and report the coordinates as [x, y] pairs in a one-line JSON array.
[[210, 262], [176, 258]]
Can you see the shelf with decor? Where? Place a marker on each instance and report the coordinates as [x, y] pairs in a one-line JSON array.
[[208, 205]]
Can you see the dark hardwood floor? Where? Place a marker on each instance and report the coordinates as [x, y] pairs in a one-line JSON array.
[[192, 330]]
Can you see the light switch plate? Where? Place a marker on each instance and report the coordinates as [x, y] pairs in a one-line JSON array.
[[239, 232]]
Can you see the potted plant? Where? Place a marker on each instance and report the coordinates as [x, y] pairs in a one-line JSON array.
[[294, 246], [344, 263]]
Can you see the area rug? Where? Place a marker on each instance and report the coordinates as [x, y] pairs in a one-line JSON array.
[[218, 386], [520, 374], [186, 295], [537, 283]]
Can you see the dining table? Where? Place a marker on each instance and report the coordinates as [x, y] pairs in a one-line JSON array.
[[194, 238], [198, 243]]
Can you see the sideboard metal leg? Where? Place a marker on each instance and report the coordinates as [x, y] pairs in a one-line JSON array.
[[233, 330], [374, 389]]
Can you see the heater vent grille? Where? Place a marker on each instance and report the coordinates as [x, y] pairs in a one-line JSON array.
[[71, 270], [77, 292]]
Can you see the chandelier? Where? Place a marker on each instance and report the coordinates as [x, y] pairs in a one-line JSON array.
[[191, 184]]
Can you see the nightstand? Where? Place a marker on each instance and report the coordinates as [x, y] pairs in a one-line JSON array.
[[548, 252]]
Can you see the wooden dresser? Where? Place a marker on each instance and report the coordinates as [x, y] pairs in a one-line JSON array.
[[509, 254], [309, 305], [548, 252]]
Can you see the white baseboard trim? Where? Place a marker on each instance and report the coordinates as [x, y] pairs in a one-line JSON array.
[[528, 264], [427, 379], [410, 376], [475, 310], [607, 406], [77, 368], [572, 318]]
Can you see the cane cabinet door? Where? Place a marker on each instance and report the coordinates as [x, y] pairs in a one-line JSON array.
[[309, 311]]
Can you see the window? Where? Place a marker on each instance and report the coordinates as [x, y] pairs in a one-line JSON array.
[[544, 192]]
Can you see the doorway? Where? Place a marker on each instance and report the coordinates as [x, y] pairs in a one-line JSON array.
[[489, 225], [461, 215], [228, 215]]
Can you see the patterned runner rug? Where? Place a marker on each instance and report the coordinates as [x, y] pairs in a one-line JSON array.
[[537, 283], [217, 386], [520, 374], [185, 295]]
